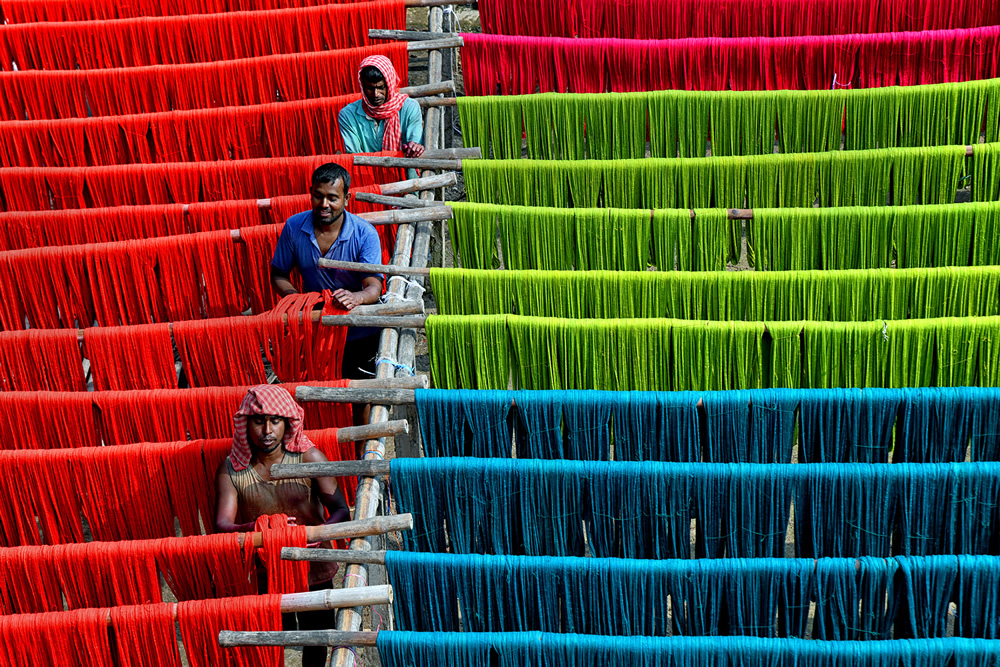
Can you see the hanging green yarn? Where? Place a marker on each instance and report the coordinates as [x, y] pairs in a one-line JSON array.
[[481, 351], [845, 296], [679, 123], [986, 172], [896, 176]]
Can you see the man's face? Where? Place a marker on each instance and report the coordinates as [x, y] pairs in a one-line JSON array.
[[265, 433], [328, 201], [375, 93]]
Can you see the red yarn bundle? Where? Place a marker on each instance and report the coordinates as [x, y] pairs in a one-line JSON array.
[[39, 94], [672, 19], [194, 38], [523, 65], [31, 11], [283, 576]]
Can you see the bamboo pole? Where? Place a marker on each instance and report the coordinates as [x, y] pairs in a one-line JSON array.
[[425, 213], [387, 269], [438, 102], [232, 639], [346, 529], [408, 162], [420, 184], [403, 35], [410, 382], [333, 555], [454, 42], [369, 431], [439, 88], [385, 200], [335, 598], [471, 153], [305, 394], [329, 469], [436, 3], [389, 322]]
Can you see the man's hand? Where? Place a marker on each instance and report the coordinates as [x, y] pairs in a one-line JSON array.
[[412, 149], [348, 299]]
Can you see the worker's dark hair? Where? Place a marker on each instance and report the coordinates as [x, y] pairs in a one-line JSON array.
[[332, 172], [371, 75]]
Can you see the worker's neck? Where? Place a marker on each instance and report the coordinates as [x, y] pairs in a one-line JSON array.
[[334, 226], [268, 459]]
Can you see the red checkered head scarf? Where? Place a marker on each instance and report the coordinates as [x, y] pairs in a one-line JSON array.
[[388, 110], [267, 399]]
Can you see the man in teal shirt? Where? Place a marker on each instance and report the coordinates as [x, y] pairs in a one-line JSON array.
[[383, 119]]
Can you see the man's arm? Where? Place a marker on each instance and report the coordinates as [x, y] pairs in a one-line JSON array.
[[282, 263], [227, 503], [349, 131], [371, 292], [329, 492], [411, 123]]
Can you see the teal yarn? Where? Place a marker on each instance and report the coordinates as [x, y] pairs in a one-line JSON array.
[[460, 649], [916, 425], [846, 598], [644, 510]]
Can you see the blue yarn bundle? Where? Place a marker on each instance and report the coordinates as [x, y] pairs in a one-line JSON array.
[[645, 510], [409, 649], [846, 598], [920, 425]]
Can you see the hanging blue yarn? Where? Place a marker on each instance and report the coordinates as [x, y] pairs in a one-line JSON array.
[[644, 510], [410, 649], [920, 425]]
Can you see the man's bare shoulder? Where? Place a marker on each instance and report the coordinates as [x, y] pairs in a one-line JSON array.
[[313, 455]]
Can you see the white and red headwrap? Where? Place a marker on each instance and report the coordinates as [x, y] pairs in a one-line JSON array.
[[267, 399], [388, 110]]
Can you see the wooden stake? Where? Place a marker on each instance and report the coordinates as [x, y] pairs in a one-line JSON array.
[[369, 431], [231, 639], [371, 396], [329, 469], [333, 555], [389, 270], [454, 42]]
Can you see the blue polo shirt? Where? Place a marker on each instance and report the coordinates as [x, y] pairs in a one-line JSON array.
[[298, 247]]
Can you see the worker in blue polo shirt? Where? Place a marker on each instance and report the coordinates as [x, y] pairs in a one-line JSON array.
[[329, 231]]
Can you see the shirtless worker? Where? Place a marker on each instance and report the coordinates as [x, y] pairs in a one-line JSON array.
[[267, 429]]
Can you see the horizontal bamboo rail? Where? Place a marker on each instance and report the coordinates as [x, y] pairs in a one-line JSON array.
[[386, 322], [232, 639], [422, 214], [437, 101], [387, 269], [346, 529], [366, 468], [386, 200], [420, 184], [413, 382], [373, 397], [439, 88], [403, 35], [436, 3], [408, 162], [369, 431], [471, 153], [454, 42], [333, 555]]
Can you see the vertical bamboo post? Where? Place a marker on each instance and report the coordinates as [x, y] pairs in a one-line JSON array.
[[412, 246]]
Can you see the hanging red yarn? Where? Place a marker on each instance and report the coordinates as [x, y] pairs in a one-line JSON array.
[[30, 11], [283, 576], [523, 65], [282, 129], [135, 357], [145, 636], [41, 188], [201, 621], [316, 348], [194, 38], [38, 94], [50, 419], [47, 640], [671, 19], [41, 360], [67, 227]]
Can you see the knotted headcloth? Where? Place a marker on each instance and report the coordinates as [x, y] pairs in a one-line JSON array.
[[388, 110], [267, 399]]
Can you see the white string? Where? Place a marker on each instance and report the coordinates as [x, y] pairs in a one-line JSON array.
[[450, 9], [411, 283]]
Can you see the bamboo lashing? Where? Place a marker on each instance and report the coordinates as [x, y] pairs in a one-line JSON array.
[[389, 396], [232, 639]]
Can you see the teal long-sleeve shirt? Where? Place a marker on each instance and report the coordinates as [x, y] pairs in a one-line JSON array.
[[362, 134]]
